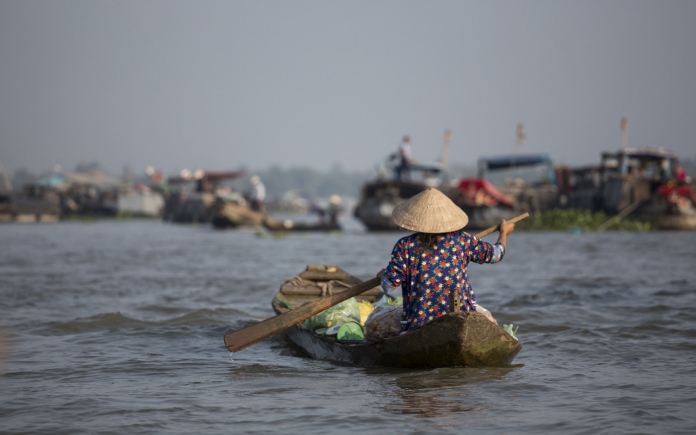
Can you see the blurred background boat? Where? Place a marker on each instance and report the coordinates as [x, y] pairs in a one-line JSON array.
[[379, 196], [646, 184], [506, 186]]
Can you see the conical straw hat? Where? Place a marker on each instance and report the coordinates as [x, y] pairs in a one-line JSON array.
[[430, 212]]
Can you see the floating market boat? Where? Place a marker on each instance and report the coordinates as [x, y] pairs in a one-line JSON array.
[[638, 183], [453, 340], [33, 204], [482, 202], [195, 199], [277, 225], [506, 186], [379, 197], [228, 214]]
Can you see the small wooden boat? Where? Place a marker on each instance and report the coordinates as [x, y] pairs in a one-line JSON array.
[[229, 214], [453, 340], [506, 186], [277, 225], [32, 205]]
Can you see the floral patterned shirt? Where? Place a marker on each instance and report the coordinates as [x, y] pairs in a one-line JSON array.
[[426, 276]]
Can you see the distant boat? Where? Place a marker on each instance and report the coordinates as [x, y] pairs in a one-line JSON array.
[[277, 225], [197, 204], [636, 183], [483, 203], [140, 201], [379, 197], [506, 186], [229, 214], [33, 204]]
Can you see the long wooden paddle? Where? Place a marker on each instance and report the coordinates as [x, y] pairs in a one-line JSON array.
[[245, 337]]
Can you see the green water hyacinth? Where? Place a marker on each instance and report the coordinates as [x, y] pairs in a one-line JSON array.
[[577, 221], [508, 328]]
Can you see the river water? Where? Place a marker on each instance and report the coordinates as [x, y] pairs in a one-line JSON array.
[[117, 327]]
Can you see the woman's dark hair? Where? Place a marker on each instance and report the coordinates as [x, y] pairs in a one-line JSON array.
[[427, 240]]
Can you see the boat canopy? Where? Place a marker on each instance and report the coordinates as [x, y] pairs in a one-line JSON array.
[[63, 180], [642, 154], [513, 161], [538, 167], [651, 162], [212, 176]]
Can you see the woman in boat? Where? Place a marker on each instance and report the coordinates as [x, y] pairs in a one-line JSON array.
[[431, 264]]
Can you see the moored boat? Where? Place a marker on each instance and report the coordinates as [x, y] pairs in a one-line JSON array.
[[278, 225], [482, 202], [641, 184], [506, 186], [33, 204], [198, 199], [228, 214], [452, 340], [379, 197]]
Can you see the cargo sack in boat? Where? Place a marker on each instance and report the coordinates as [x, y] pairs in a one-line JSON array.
[[350, 331], [366, 309], [346, 311], [485, 312], [383, 322]]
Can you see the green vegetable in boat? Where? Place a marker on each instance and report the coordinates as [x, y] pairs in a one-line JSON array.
[[508, 328]]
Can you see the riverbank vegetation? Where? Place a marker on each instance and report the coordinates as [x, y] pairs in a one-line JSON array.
[[577, 220]]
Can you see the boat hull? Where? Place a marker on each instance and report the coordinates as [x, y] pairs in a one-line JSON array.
[[378, 200], [453, 340], [291, 226], [668, 216], [229, 215]]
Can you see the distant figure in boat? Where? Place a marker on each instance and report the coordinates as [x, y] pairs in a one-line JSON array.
[[403, 157], [328, 214], [258, 194], [430, 265]]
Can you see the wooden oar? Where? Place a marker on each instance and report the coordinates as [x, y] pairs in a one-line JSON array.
[[493, 229], [245, 337], [620, 215]]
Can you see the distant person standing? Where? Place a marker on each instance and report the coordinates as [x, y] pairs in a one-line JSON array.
[[404, 158], [258, 194]]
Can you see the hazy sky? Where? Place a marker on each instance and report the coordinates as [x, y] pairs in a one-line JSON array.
[[224, 84]]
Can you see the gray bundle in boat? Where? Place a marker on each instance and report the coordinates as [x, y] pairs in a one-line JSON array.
[[383, 322]]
